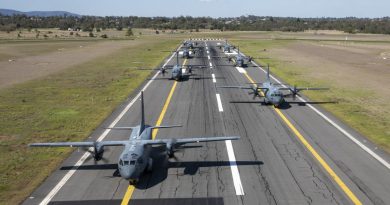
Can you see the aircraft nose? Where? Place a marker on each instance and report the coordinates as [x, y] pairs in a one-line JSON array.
[[125, 174], [128, 172]]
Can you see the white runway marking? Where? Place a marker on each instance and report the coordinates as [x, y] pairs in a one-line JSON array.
[[220, 108], [69, 174], [233, 165], [241, 70], [209, 57], [338, 127], [213, 76], [207, 52], [211, 65], [183, 70], [229, 148]]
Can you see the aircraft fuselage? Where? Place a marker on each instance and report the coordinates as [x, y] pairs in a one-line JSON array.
[[273, 95], [135, 157]]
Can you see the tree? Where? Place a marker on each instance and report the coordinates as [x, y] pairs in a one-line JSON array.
[[129, 32], [91, 34]]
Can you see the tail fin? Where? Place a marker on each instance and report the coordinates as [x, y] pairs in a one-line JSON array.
[[177, 57], [268, 79], [142, 124]]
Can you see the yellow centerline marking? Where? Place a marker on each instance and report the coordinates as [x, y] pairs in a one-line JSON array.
[[323, 163], [164, 110], [129, 192], [130, 188]]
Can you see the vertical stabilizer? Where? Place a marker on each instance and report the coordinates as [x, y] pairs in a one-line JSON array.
[[177, 57], [268, 73], [142, 124]]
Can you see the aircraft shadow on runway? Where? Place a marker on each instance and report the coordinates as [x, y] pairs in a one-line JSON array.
[[161, 165], [185, 77], [287, 105]]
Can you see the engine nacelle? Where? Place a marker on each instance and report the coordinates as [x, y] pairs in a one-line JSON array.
[[169, 149], [98, 152]]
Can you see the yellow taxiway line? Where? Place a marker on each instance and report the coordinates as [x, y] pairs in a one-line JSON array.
[[317, 156], [130, 188]]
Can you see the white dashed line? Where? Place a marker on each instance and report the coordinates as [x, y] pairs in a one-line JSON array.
[[220, 108], [207, 52], [213, 76], [233, 165], [209, 57], [241, 70], [229, 147], [211, 65]]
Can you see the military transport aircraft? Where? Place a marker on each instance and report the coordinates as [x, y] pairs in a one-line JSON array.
[[272, 92], [226, 47], [186, 53], [240, 59], [190, 44], [177, 69], [135, 157]]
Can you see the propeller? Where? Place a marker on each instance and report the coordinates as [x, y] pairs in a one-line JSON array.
[[97, 152], [294, 92], [171, 149], [255, 92]]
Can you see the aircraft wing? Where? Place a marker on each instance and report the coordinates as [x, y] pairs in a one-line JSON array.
[[78, 144], [195, 66], [236, 86], [182, 141], [243, 87], [312, 89], [300, 89]]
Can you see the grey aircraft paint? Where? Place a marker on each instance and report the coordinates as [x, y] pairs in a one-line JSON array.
[[135, 157]]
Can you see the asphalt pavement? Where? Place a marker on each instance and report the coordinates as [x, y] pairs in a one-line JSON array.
[[302, 159]]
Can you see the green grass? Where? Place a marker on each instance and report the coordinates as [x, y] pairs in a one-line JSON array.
[[63, 107], [353, 105]]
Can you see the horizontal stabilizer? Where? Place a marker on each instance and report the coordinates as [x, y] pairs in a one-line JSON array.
[[165, 126], [120, 128], [79, 144], [175, 141]]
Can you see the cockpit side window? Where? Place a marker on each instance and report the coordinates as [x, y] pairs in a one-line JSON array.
[[132, 162], [126, 162], [121, 162]]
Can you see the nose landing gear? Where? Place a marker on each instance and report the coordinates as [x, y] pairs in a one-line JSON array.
[[133, 181]]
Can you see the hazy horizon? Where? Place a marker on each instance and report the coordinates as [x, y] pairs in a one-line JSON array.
[[211, 8]]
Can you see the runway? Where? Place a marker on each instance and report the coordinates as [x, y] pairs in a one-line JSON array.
[[269, 164]]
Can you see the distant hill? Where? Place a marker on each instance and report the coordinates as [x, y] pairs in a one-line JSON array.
[[10, 12]]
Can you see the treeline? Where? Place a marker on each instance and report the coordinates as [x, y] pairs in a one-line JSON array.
[[243, 23]]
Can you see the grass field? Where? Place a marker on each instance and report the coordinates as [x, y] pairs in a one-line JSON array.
[[64, 106], [357, 74], [71, 103]]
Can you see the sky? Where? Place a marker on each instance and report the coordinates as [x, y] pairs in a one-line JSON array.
[[212, 8]]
